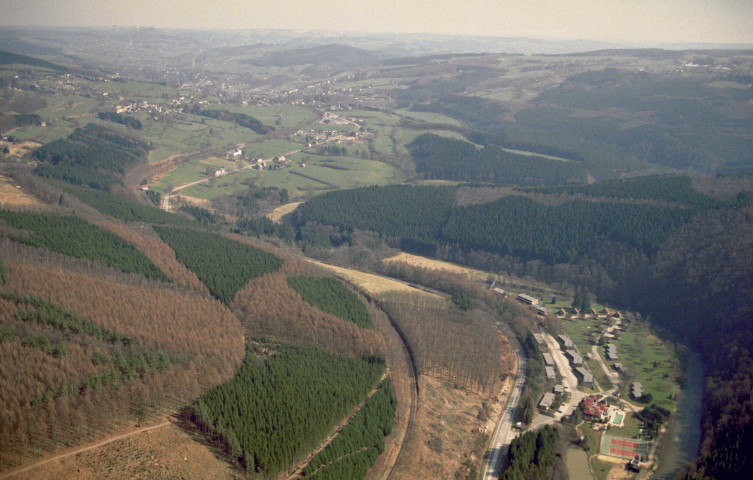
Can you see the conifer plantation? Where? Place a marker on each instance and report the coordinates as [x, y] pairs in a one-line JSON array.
[[310, 389], [331, 296], [223, 265], [286, 316]]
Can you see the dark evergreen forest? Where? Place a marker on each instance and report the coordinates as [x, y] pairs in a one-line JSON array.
[[283, 403], [223, 265]]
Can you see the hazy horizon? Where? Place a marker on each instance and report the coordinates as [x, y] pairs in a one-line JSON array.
[[641, 22]]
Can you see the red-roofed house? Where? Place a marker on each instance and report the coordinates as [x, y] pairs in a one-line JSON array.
[[592, 409]]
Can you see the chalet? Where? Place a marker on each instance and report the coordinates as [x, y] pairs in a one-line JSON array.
[[548, 360], [611, 352], [605, 311], [576, 311], [617, 315], [619, 367], [559, 389], [595, 410], [592, 311], [584, 376], [546, 400], [636, 390], [574, 358], [540, 340], [523, 298], [542, 310], [565, 341], [550, 375], [561, 311]]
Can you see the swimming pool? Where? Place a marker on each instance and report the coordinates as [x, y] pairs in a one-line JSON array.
[[617, 418]]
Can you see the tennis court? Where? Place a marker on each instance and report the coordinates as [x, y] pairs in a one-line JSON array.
[[628, 448]]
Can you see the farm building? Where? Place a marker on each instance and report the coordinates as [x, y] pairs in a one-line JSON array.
[[523, 298]]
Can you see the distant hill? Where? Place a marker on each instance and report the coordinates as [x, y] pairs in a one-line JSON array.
[[7, 58], [331, 54]]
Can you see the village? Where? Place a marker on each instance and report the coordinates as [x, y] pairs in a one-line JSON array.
[[616, 417]]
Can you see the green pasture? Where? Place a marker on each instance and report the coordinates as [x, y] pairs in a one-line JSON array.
[[374, 117], [383, 142], [429, 117], [638, 350], [270, 148], [287, 115]]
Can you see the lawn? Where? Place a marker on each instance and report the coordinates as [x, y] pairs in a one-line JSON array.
[[647, 357]]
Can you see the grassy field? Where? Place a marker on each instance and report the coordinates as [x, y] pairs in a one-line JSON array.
[[320, 175], [277, 115], [269, 148], [429, 117]]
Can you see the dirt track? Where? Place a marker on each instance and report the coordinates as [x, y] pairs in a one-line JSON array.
[[82, 449]]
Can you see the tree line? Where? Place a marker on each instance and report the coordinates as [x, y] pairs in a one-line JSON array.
[[126, 120], [246, 121]]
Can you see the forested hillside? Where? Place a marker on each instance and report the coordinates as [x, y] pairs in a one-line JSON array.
[[91, 155], [449, 159], [414, 214], [86, 352], [331, 296], [223, 265], [310, 390], [75, 237]]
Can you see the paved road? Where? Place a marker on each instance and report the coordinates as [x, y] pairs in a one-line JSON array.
[[503, 434]]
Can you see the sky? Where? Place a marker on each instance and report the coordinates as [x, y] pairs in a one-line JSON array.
[[634, 21]]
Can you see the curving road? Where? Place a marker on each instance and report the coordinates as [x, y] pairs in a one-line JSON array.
[[503, 434]]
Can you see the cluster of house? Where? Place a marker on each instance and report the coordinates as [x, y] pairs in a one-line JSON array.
[[548, 399], [585, 377], [149, 107]]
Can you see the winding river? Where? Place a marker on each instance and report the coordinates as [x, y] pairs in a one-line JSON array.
[[686, 435]]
